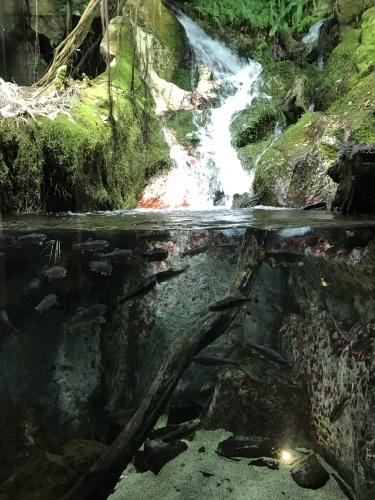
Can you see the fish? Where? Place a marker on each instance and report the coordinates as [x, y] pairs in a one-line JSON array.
[[101, 267], [91, 245], [227, 245], [142, 289], [231, 301], [270, 354], [155, 254], [4, 321], [296, 367], [338, 409], [46, 303], [117, 255], [283, 256], [158, 234], [361, 345], [195, 250], [214, 361], [168, 274], [86, 316], [55, 272], [323, 282], [29, 239]]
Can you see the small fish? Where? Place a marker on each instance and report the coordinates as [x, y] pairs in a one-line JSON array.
[[227, 245], [155, 254], [86, 316], [283, 256], [46, 303], [214, 361], [101, 267], [195, 250], [4, 321], [29, 239], [144, 287], [55, 272], [361, 345], [91, 245], [338, 409], [168, 274], [270, 354], [231, 301], [117, 255], [296, 367]]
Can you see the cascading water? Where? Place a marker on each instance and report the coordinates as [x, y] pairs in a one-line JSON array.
[[212, 173]]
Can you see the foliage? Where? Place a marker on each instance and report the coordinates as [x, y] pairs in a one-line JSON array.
[[273, 15]]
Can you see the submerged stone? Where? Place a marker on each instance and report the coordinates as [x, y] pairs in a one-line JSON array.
[[310, 473]]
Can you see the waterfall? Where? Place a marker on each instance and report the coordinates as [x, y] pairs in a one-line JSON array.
[[211, 173]]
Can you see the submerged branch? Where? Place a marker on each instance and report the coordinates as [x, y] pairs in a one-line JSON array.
[[102, 477]]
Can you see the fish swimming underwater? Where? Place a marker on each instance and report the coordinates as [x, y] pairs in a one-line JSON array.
[[55, 272], [195, 250], [269, 353], [86, 316], [4, 321], [284, 257], [91, 245], [155, 254], [29, 239], [101, 267], [117, 255], [214, 361], [338, 409], [361, 345], [46, 303], [168, 274], [142, 289], [231, 301]]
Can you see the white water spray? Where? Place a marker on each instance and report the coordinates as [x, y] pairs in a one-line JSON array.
[[212, 173]]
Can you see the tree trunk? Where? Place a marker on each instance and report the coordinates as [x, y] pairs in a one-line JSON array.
[[102, 477], [65, 51]]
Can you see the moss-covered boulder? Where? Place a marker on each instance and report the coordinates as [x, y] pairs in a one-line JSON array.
[[293, 171], [95, 157]]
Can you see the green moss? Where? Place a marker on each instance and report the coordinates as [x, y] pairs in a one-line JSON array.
[[364, 56], [349, 11], [340, 72], [184, 125]]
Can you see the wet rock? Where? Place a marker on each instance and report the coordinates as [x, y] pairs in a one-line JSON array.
[[42, 475], [244, 200], [310, 473], [248, 446], [354, 173], [271, 463], [155, 455]]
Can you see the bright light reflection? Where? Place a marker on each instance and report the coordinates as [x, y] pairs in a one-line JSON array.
[[286, 456]]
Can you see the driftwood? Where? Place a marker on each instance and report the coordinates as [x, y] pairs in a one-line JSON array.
[[100, 480]]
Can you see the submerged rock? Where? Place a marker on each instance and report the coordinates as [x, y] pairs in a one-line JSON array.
[[155, 455], [310, 473]]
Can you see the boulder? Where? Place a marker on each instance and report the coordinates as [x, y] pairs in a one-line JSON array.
[[309, 473]]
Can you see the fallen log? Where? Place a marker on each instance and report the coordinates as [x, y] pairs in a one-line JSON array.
[[100, 480]]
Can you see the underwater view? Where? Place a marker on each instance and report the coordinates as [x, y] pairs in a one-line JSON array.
[[216, 355]]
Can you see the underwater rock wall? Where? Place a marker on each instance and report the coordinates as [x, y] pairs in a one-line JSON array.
[[331, 331]]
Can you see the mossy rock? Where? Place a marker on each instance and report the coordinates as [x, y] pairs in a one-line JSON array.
[[184, 124], [364, 56], [293, 171], [170, 53], [349, 12], [255, 124]]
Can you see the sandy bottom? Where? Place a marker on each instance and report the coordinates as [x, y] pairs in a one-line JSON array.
[[182, 478]]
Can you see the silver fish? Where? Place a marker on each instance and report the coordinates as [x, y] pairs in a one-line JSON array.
[[230, 302], [142, 289], [4, 321], [86, 316], [284, 256], [101, 266], [155, 254], [214, 361], [195, 250], [55, 272], [117, 255], [46, 303], [270, 354], [30, 239], [91, 245]]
